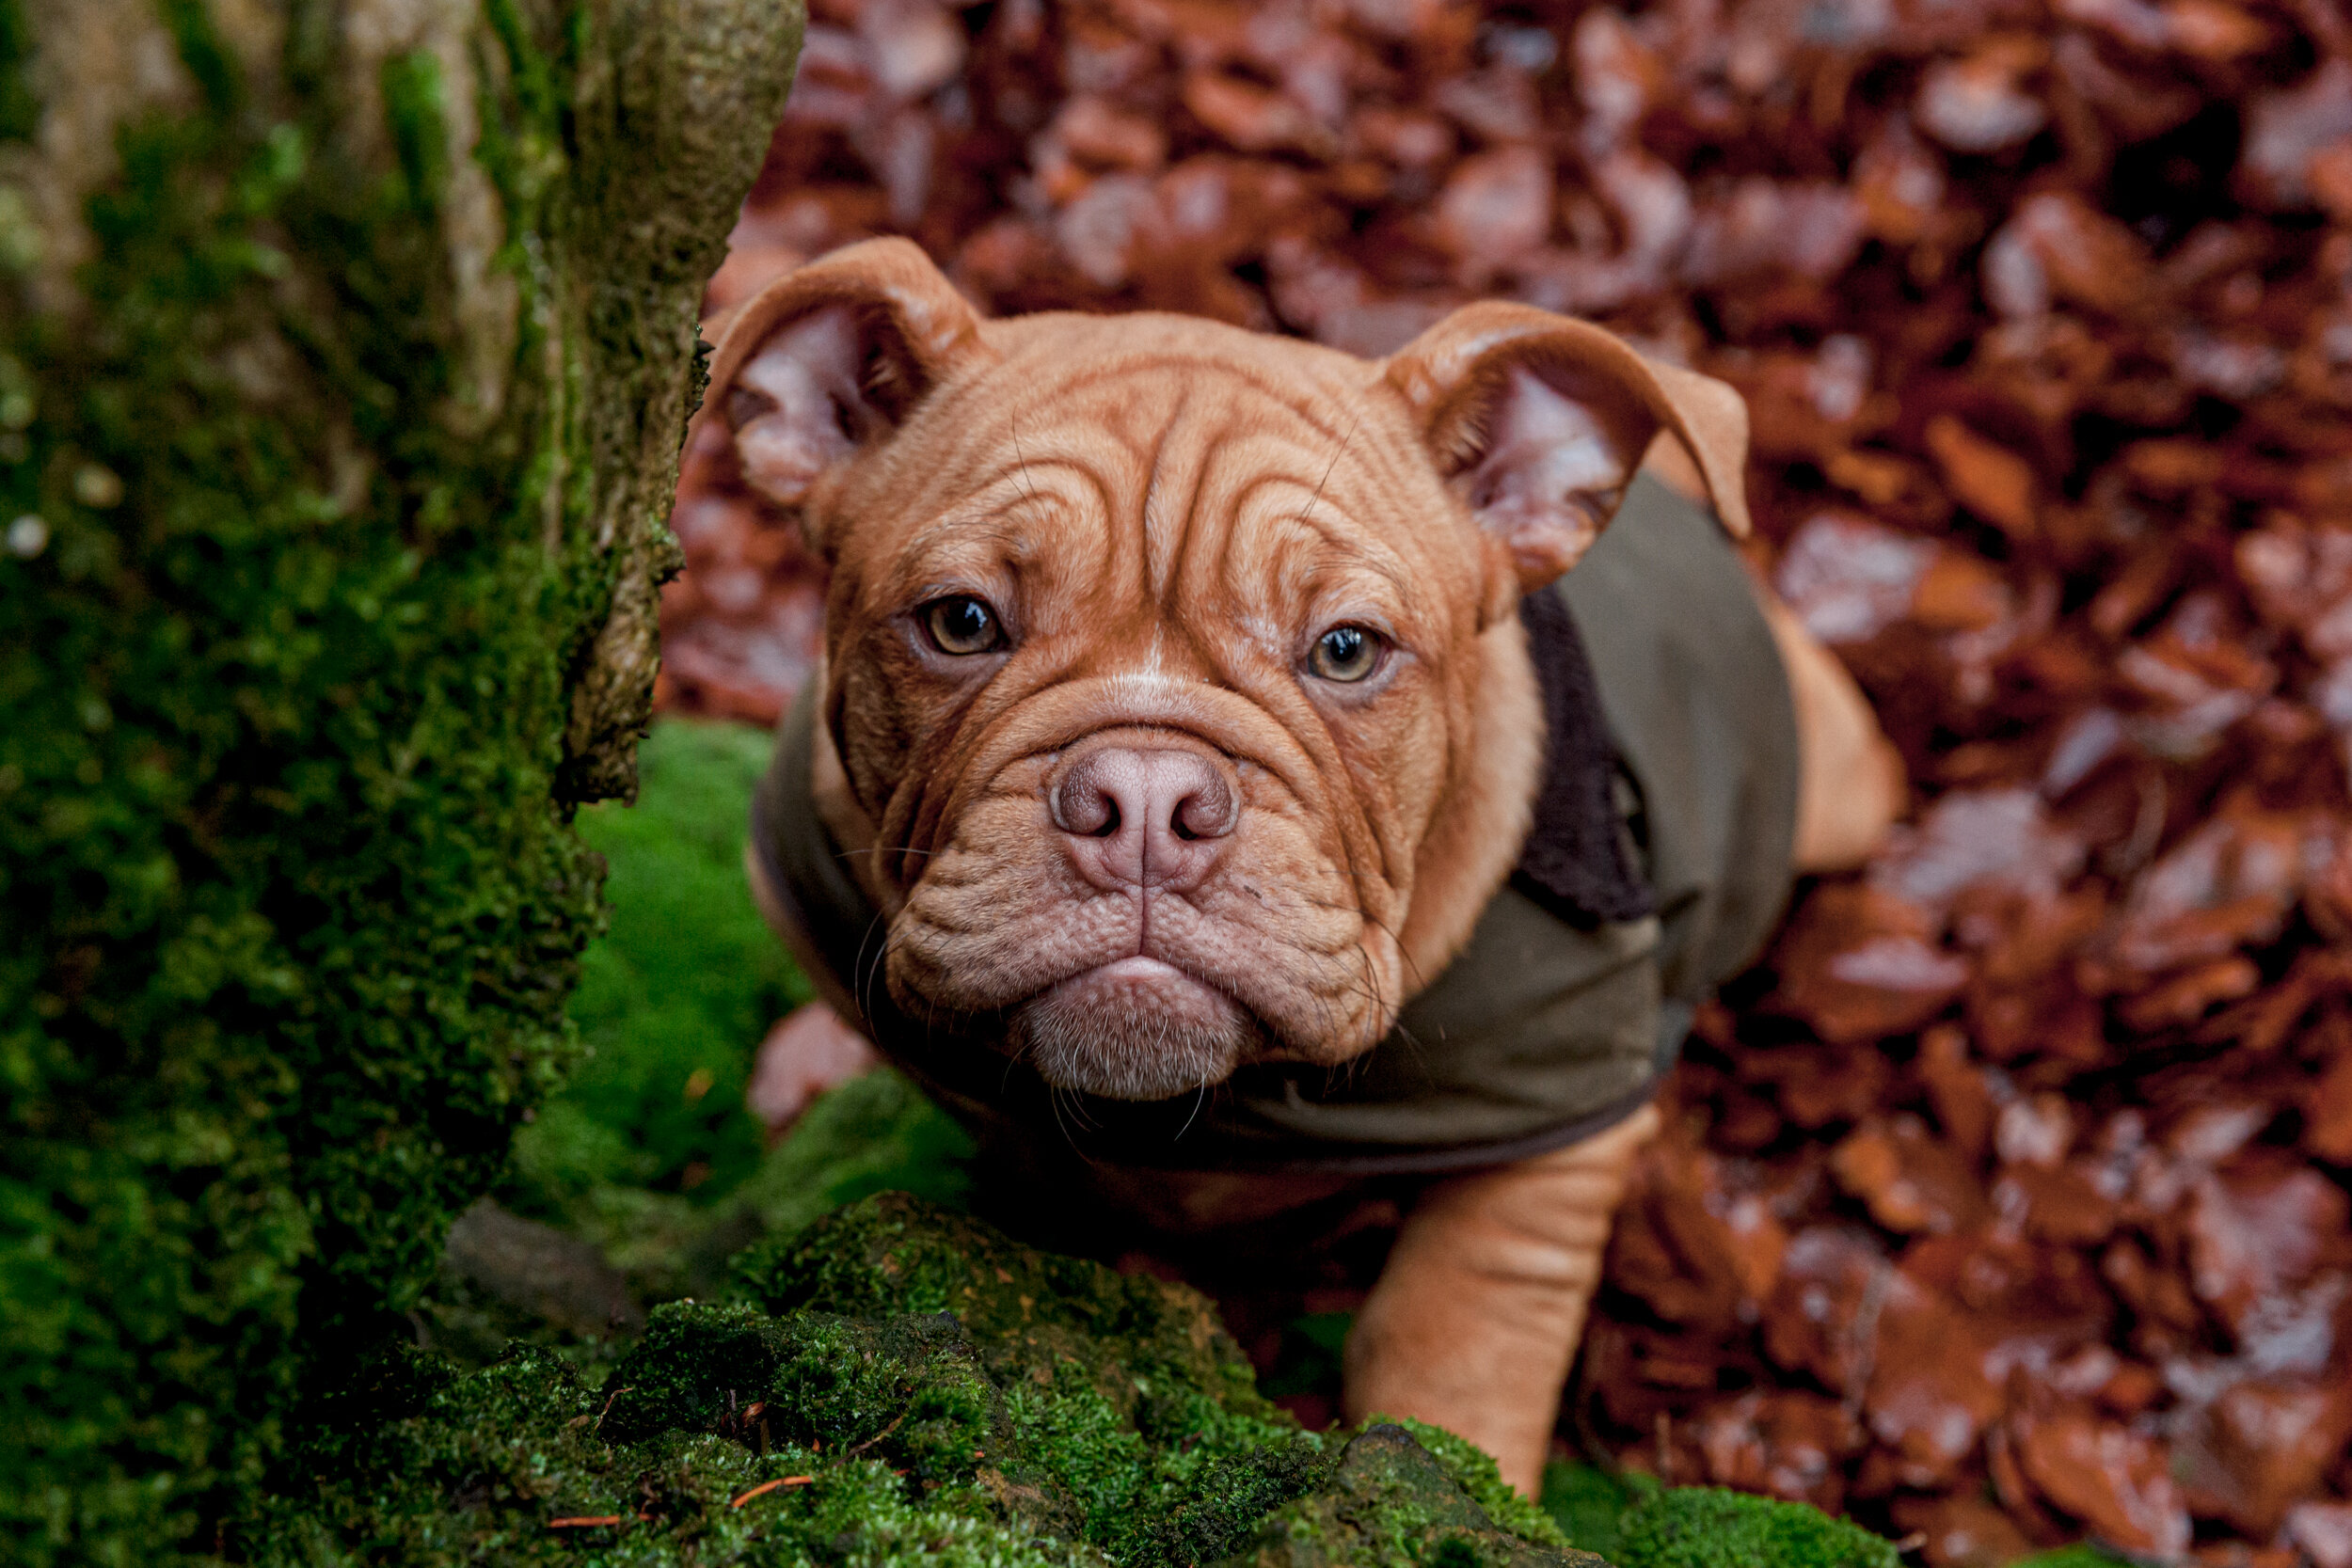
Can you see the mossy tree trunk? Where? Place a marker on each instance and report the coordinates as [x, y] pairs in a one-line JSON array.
[[345, 347]]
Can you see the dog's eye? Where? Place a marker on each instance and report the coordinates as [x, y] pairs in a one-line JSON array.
[[962, 624], [1347, 654]]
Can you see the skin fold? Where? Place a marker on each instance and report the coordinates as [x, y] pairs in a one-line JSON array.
[[1176, 711]]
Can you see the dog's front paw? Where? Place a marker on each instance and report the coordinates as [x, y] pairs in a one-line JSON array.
[[808, 1052]]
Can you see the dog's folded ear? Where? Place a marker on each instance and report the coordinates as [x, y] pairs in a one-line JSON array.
[[1537, 421], [831, 359]]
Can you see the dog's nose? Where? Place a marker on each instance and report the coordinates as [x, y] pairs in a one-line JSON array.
[[1145, 818]]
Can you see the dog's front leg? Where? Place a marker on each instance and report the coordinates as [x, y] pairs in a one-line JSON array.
[[1474, 1322]]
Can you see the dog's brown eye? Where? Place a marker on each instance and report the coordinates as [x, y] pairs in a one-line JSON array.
[[1347, 654], [962, 624]]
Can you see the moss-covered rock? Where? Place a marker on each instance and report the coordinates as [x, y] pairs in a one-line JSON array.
[[345, 347], [899, 1386], [1480, 1477], [1034, 1311], [1125, 1390]]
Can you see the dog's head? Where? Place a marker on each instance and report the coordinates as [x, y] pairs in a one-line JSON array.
[[1180, 707]]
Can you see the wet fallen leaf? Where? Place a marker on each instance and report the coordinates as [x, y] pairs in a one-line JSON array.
[[2112, 1479]]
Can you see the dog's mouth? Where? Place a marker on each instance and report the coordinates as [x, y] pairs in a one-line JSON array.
[[1135, 1028]]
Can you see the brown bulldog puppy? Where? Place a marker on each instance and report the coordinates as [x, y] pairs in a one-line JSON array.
[[1180, 722]]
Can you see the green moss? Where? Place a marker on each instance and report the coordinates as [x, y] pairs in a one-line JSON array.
[[482, 1470], [649, 1152], [673, 998], [20, 114], [1705, 1528], [1232, 1497], [953, 1397], [1636, 1523], [1126, 1390], [1474, 1471], [416, 108], [895, 1253], [286, 699], [1314, 1350], [1586, 1503], [1392, 1503], [875, 1133]]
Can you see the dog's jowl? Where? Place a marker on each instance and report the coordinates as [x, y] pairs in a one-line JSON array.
[[1242, 772]]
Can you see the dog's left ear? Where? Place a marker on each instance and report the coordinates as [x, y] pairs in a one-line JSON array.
[[832, 357], [1536, 421]]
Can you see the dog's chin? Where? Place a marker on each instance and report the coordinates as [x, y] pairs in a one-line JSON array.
[[1135, 1029]]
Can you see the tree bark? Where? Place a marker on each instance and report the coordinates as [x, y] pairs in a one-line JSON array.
[[345, 349]]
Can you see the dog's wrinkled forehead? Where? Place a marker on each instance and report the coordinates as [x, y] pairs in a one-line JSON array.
[[1178, 460]]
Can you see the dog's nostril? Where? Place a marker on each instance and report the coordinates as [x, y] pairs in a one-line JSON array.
[[1204, 812], [1084, 807]]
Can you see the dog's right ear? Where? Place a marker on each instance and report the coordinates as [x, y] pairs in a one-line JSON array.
[[831, 357]]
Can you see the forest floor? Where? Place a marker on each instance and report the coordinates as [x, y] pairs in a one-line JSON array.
[[2006, 1201]]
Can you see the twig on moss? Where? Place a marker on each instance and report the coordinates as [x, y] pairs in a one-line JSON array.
[[584, 1521], [767, 1487], [852, 1453], [606, 1411]]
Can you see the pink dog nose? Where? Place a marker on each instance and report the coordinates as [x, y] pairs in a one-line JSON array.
[[1153, 819]]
